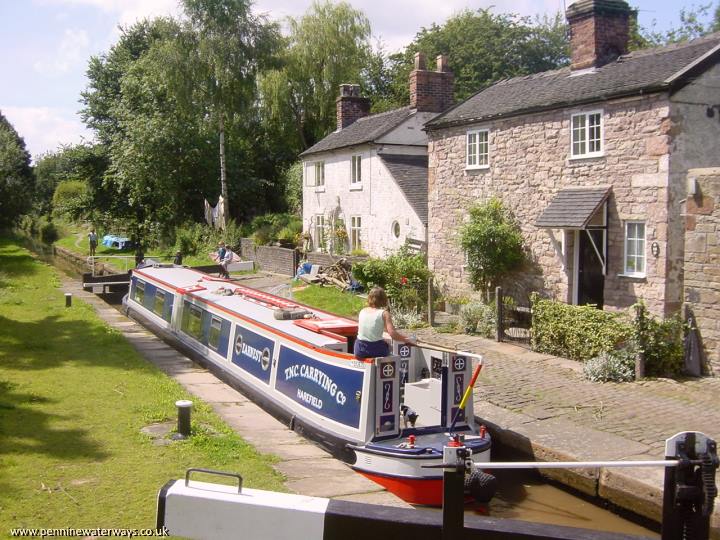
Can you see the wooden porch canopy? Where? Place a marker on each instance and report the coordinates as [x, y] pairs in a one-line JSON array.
[[573, 208]]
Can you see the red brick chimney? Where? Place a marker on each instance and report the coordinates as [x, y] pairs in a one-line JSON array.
[[599, 31], [350, 106], [431, 91]]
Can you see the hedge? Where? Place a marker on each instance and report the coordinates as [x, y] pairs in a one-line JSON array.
[[576, 332]]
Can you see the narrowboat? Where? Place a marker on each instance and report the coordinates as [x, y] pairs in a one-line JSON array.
[[388, 417]]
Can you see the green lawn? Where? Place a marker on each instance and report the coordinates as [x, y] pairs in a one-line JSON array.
[[73, 397], [331, 299]]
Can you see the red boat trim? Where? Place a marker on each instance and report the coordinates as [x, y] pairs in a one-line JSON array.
[[328, 352], [426, 492]]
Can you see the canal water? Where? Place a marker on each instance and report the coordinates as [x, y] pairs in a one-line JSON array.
[[522, 495]]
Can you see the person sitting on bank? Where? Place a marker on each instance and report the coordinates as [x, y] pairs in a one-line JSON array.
[[227, 258], [372, 322]]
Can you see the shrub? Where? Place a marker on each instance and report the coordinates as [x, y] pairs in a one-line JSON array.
[[193, 238], [406, 317], [403, 275], [493, 243], [270, 228], [29, 225], [48, 232], [69, 198], [661, 341], [576, 332], [614, 366], [478, 318]]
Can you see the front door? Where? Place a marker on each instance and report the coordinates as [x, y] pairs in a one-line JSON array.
[[591, 281]]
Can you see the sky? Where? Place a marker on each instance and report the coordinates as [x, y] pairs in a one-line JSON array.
[[45, 46]]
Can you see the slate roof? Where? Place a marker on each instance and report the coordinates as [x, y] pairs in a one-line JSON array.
[[572, 208], [364, 130], [643, 71], [411, 175]]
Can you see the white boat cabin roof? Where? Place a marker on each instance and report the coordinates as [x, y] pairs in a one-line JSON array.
[[322, 329]]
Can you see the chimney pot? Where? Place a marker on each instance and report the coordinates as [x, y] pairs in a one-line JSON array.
[[420, 61], [442, 63]]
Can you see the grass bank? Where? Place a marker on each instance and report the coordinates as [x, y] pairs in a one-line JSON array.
[[330, 299], [73, 397], [73, 236]]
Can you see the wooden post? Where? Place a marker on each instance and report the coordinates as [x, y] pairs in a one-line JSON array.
[[430, 279], [499, 327], [640, 329]]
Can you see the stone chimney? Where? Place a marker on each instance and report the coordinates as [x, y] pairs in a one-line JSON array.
[[599, 31], [431, 91], [350, 106]]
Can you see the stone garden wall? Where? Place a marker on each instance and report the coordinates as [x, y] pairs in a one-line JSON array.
[[270, 258], [702, 259]]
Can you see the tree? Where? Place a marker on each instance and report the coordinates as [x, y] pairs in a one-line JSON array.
[[493, 243], [695, 22], [483, 47], [221, 50], [16, 178], [86, 163], [328, 46]]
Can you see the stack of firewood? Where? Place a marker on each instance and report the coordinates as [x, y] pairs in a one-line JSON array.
[[337, 274]]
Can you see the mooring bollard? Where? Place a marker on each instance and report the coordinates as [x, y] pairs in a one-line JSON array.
[[68, 299], [184, 407]]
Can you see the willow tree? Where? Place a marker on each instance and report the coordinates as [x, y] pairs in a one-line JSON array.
[[327, 46], [216, 61]]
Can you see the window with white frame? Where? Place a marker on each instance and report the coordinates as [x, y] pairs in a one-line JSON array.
[[478, 149], [634, 248], [319, 232], [356, 171], [587, 134], [355, 230], [319, 174]]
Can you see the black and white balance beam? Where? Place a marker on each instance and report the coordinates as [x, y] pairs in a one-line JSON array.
[[201, 510]]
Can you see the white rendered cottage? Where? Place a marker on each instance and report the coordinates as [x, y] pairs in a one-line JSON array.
[[369, 177]]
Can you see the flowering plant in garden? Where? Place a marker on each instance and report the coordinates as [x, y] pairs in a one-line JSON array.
[[403, 275]]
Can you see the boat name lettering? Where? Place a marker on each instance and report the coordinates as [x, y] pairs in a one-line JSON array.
[[309, 398], [318, 377], [252, 352]]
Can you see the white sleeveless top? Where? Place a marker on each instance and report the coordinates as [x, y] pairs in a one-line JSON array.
[[371, 324]]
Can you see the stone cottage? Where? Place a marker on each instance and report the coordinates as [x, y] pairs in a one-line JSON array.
[[592, 160], [365, 184]]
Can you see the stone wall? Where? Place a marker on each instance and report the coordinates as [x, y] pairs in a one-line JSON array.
[[702, 259], [529, 163], [270, 258]]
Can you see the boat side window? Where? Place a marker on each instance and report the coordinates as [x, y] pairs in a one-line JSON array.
[[192, 320], [139, 292], [159, 305], [215, 330]]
